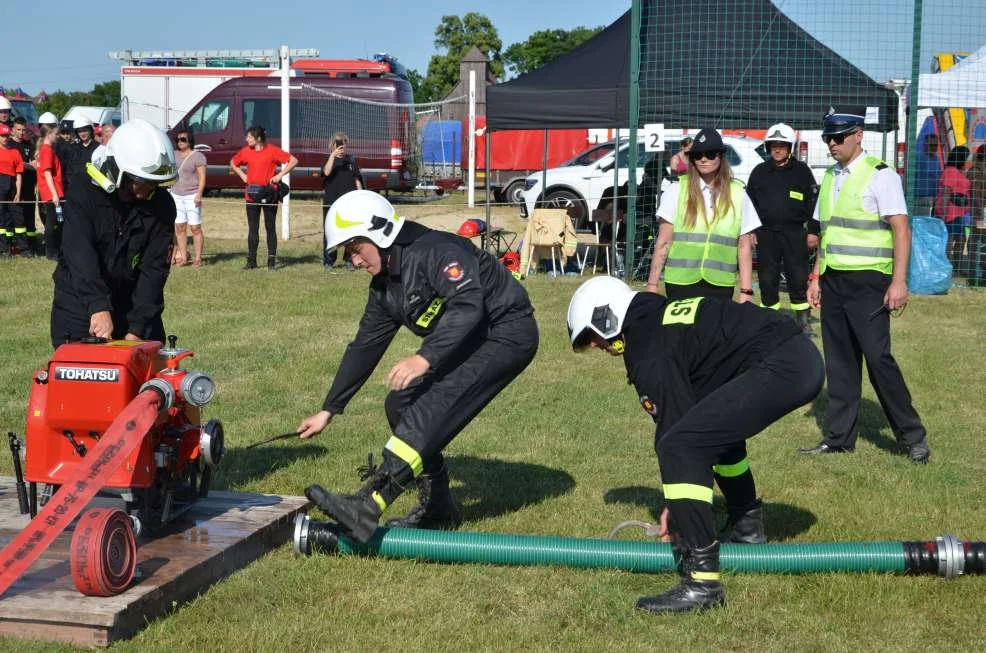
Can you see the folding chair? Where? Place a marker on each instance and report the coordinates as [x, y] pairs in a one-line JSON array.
[[546, 228]]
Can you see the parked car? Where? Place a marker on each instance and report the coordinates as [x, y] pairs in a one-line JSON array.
[[586, 182], [95, 115]]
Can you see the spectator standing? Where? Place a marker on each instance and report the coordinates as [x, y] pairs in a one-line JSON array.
[[5, 108], [25, 224], [76, 155], [783, 190], [953, 204], [261, 160], [862, 262], [706, 230], [11, 168], [340, 174], [679, 162], [50, 190], [928, 172], [977, 185], [188, 198]]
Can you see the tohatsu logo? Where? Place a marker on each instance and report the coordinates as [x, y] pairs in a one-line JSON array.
[[98, 374]]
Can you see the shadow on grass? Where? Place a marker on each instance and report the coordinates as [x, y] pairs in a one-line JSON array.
[[240, 466], [870, 424], [782, 520], [491, 487], [282, 261]]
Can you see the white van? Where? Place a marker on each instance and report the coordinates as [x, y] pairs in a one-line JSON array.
[[95, 115]]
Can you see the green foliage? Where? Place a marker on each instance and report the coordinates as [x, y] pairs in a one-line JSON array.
[[105, 94], [543, 46], [456, 36]]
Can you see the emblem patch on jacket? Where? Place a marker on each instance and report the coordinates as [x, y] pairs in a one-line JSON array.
[[649, 406], [453, 271]]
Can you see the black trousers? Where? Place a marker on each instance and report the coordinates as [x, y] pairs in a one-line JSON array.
[[786, 378], [851, 332], [25, 222], [53, 230], [7, 208], [253, 228], [430, 413], [788, 247], [700, 289]]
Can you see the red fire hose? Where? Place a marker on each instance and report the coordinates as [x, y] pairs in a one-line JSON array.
[[121, 438], [103, 552]]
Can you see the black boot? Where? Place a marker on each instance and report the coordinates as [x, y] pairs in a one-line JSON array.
[[359, 514], [803, 318], [251, 263], [745, 526], [700, 587], [435, 508], [271, 263]]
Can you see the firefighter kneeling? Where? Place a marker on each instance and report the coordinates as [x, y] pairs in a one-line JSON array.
[[711, 373]]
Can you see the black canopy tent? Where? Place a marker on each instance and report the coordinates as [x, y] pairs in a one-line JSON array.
[[752, 66]]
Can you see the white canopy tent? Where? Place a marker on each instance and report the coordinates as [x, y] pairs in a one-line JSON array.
[[963, 85]]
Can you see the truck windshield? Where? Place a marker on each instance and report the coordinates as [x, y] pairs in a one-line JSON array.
[[26, 110]]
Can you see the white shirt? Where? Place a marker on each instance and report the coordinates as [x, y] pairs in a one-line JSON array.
[[669, 204], [884, 195]]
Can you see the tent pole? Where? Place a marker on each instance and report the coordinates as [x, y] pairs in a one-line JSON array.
[[544, 169], [912, 106], [486, 184], [631, 151]]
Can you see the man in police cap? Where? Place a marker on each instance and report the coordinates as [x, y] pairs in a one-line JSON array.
[[784, 191], [478, 332], [859, 279], [116, 249]]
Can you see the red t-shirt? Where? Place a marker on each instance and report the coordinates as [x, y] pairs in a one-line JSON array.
[[956, 183], [261, 164], [10, 161], [48, 161]]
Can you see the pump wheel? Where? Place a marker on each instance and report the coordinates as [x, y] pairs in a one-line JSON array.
[[103, 553]]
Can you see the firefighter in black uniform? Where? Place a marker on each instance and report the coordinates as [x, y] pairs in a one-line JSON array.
[[115, 256], [862, 262], [479, 334], [25, 224], [75, 154], [784, 191], [711, 373]]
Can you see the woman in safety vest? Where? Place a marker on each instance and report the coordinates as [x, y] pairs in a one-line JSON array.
[[704, 245]]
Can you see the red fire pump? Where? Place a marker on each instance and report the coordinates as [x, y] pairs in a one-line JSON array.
[[86, 433]]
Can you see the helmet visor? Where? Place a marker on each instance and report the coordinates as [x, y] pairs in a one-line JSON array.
[[602, 325]]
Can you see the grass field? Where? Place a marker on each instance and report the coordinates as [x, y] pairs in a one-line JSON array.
[[565, 450]]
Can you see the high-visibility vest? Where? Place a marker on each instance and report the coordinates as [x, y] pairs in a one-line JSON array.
[[853, 238], [705, 251]]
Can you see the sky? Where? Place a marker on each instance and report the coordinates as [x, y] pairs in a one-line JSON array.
[[65, 57]]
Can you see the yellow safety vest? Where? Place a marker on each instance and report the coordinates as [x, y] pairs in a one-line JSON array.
[[705, 251], [853, 238]]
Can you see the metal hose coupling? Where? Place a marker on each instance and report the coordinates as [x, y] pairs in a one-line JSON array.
[[312, 536]]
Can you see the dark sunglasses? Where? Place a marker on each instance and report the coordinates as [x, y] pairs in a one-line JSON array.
[[837, 138], [181, 139], [698, 156]]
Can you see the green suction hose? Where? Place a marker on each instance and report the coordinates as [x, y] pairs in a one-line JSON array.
[[946, 556]]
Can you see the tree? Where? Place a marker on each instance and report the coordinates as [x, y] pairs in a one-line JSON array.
[[106, 94], [545, 45], [456, 35]]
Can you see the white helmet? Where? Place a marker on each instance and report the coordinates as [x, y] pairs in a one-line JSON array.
[[47, 118], [599, 307], [5, 104], [81, 123], [141, 150], [780, 133], [361, 213]]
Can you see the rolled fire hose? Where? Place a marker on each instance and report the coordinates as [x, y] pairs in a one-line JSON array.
[[946, 556], [103, 555]]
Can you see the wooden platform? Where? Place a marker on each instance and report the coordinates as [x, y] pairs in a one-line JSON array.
[[219, 535]]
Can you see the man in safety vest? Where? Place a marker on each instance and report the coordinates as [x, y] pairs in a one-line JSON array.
[[860, 273]]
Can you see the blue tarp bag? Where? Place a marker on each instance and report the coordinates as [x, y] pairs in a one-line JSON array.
[[930, 272]]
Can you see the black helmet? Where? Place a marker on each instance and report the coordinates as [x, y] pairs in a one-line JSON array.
[[843, 120], [66, 126], [707, 140]]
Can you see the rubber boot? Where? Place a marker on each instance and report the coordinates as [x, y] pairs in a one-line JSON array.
[[271, 263], [699, 589], [745, 526], [359, 514], [435, 509], [803, 318], [251, 263]]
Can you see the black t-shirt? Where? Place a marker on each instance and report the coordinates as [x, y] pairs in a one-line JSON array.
[[29, 176], [341, 179]]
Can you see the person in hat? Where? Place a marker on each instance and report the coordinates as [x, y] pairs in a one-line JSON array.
[[479, 335], [705, 238], [783, 190], [114, 261], [711, 373], [859, 279]]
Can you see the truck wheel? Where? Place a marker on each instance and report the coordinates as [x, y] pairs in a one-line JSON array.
[[566, 199], [514, 193]]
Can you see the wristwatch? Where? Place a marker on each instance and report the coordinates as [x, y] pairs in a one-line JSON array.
[[746, 291]]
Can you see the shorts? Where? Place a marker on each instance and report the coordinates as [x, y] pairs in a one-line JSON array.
[[187, 211]]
